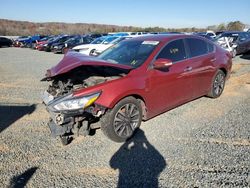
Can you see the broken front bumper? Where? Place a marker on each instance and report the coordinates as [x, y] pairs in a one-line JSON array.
[[60, 123]]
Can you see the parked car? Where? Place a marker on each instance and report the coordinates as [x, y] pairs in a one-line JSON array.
[[96, 35], [5, 42], [18, 41], [219, 32], [98, 45], [72, 42], [41, 41], [29, 41], [204, 35], [59, 39], [41, 46], [135, 80], [170, 32], [139, 33], [238, 41], [209, 34]]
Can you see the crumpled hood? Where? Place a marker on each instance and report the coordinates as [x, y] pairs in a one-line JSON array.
[[74, 59]]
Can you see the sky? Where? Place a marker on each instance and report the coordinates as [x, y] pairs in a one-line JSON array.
[[141, 13]]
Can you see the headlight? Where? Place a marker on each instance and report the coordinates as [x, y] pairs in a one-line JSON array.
[[45, 45], [77, 103]]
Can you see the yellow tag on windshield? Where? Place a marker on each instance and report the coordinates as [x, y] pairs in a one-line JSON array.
[[133, 62]]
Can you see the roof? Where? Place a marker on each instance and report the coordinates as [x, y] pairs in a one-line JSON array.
[[163, 37]]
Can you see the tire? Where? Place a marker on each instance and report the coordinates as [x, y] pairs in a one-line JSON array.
[[65, 50], [121, 122], [65, 140], [91, 53], [218, 84]]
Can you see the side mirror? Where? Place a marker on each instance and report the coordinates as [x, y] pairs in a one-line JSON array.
[[162, 64]]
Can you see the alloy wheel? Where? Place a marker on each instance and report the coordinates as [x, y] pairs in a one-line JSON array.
[[126, 120], [219, 83]]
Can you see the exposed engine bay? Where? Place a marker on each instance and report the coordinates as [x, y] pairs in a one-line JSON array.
[[83, 77], [78, 120]]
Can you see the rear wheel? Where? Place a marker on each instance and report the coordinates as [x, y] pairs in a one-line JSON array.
[[217, 84], [121, 122]]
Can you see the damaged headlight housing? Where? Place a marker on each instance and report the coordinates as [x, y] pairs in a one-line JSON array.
[[76, 103]]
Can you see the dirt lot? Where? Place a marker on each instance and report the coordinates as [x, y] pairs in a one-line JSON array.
[[205, 143]]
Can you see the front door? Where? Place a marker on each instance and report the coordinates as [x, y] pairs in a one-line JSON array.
[[172, 87]]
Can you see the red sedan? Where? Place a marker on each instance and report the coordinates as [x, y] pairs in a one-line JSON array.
[[135, 80]]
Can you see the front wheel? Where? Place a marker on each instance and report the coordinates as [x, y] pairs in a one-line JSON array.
[[121, 122], [65, 140], [217, 84], [65, 50], [92, 52]]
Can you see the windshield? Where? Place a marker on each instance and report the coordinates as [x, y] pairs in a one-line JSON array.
[[109, 40], [131, 53], [44, 39], [63, 39], [73, 40], [98, 40]]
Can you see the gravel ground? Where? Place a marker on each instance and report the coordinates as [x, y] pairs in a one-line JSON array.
[[205, 143]]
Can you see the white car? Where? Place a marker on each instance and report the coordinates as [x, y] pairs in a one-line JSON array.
[[98, 45], [228, 44]]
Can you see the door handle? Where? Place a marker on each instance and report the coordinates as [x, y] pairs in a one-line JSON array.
[[188, 69]]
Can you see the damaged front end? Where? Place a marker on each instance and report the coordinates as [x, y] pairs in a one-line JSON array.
[[76, 114], [72, 115]]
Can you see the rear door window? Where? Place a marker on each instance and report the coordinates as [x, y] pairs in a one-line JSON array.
[[197, 47], [174, 51]]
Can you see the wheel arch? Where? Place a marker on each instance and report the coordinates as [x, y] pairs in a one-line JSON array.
[[142, 103], [223, 70]]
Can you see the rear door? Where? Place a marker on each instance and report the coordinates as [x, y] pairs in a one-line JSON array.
[[202, 57]]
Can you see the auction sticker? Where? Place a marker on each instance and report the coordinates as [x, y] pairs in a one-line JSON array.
[[151, 42]]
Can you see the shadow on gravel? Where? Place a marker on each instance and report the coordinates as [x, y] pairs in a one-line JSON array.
[[139, 163], [10, 113], [245, 56], [22, 179]]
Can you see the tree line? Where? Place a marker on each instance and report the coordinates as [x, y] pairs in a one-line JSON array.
[[16, 28]]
